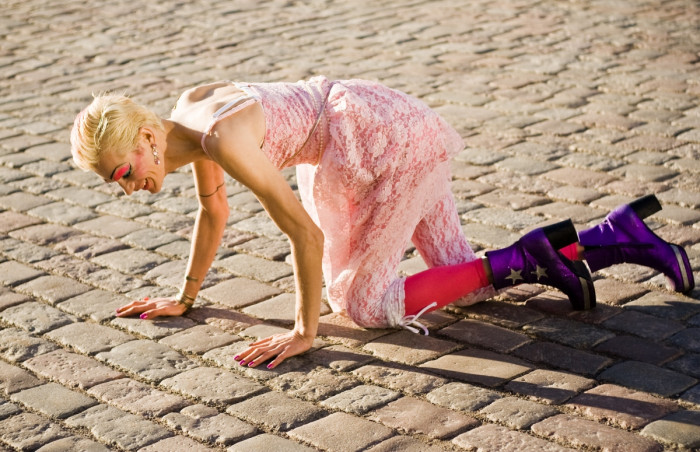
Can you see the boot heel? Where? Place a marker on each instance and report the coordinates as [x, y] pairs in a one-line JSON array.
[[561, 234], [646, 206]]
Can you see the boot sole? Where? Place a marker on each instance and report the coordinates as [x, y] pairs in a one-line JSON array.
[[685, 269]]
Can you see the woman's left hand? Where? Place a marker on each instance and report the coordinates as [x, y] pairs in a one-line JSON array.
[[152, 308], [280, 346]]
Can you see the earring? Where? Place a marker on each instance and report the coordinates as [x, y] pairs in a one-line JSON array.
[[156, 157]]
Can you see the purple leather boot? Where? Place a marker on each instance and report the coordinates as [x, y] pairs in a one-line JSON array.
[[624, 238], [534, 259]]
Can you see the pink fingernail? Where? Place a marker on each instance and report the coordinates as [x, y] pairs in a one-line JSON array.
[[269, 366], [242, 363], [251, 364], [237, 358], [143, 316]]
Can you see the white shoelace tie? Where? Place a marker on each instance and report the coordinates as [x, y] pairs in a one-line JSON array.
[[410, 322]]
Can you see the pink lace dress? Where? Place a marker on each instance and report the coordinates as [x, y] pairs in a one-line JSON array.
[[373, 173]]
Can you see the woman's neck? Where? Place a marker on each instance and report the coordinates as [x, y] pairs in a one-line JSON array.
[[182, 145]]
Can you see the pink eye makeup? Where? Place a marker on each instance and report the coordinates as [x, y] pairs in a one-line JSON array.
[[121, 171]]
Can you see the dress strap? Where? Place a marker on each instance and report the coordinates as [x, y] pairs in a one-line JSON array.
[[229, 109]]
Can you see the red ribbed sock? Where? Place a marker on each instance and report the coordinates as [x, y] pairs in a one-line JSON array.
[[443, 285], [571, 252]]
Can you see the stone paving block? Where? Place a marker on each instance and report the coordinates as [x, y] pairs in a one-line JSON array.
[[644, 325], [266, 248], [88, 246], [26, 253], [62, 213], [177, 443], [616, 293], [579, 177], [688, 339], [399, 377], [563, 357], [53, 289], [580, 433], [14, 379], [414, 416], [517, 413], [109, 226], [339, 328], [199, 339], [73, 443], [496, 437], [561, 210], [278, 309], [223, 318], [637, 349], [623, 407], [339, 358], [665, 305], [238, 292], [97, 305], [268, 443], [44, 234], [409, 348], [53, 400], [312, 385], [478, 366], [155, 328], [130, 261], [29, 431], [22, 202], [485, 335], [648, 378], [361, 399], [688, 364], [89, 338], [79, 196], [504, 218], [9, 298], [36, 317], [18, 345], [138, 398], [219, 429], [149, 238], [682, 427], [71, 369], [462, 397], [276, 412], [504, 314], [113, 426], [10, 221], [14, 273], [148, 360], [213, 386], [549, 386], [8, 409], [341, 432], [568, 332], [646, 173], [254, 267], [408, 444]]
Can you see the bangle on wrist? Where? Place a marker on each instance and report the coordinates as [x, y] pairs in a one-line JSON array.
[[183, 298], [191, 278]]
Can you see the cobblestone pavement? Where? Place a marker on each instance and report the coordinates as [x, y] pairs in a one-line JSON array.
[[568, 108]]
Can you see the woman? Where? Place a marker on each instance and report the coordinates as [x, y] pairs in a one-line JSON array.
[[373, 174]]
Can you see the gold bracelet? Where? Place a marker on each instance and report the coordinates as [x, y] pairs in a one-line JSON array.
[[191, 278], [185, 299]]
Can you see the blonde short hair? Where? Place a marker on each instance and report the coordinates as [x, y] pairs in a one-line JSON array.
[[111, 123]]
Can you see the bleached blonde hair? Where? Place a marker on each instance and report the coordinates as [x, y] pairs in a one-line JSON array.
[[111, 123]]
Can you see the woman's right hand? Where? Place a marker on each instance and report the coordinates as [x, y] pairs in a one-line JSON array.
[[279, 347], [152, 308]]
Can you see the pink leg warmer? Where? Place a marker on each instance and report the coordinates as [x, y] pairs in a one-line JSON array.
[[443, 285]]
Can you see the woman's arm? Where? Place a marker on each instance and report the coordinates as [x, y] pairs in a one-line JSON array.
[[236, 149], [208, 229]]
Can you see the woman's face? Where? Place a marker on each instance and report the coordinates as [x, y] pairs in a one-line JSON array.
[[134, 171]]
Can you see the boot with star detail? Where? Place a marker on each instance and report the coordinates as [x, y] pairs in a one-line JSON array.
[[534, 259]]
